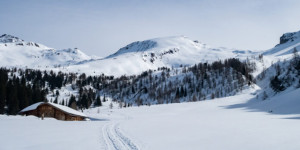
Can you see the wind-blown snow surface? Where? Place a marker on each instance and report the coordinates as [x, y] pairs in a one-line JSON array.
[[209, 125], [237, 122], [31, 133], [151, 54]]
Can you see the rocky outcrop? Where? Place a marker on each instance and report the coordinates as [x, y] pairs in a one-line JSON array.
[[288, 37]]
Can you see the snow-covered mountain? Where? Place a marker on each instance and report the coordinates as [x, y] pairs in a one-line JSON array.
[[160, 52], [15, 52], [282, 52], [279, 67], [136, 57], [251, 107], [132, 59], [287, 43]]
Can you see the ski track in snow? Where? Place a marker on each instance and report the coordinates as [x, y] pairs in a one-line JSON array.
[[115, 139]]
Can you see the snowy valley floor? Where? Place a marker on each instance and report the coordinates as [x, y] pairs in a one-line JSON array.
[[231, 123]]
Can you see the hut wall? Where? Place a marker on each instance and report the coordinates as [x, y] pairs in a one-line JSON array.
[[59, 115], [47, 110], [31, 112], [73, 118]]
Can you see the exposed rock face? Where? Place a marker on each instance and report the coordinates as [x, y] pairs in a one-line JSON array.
[[138, 46], [288, 37], [5, 38]]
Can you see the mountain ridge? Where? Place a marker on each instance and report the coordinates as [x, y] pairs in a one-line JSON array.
[[173, 51], [15, 52], [134, 58]]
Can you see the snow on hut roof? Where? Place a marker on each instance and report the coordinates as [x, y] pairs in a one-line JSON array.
[[32, 107], [61, 107]]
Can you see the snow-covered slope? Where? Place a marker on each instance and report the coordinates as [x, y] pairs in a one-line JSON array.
[[150, 54], [249, 122], [15, 52], [234, 123], [288, 42], [280, 73]]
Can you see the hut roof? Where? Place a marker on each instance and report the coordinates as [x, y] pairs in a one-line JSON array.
[[61, 107]]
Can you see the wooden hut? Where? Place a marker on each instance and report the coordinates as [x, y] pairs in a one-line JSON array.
[[60, 112]]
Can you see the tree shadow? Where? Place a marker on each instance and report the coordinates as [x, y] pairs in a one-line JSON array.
[[97, 119], [293, 118], [283, 104]]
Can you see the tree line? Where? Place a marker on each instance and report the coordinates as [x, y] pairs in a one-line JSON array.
[[20, 88]]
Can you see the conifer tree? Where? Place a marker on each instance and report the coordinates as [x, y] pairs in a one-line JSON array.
[[98, 101], [55, 101], [2, 97], [3, 81], [104, 99], [71, 100]]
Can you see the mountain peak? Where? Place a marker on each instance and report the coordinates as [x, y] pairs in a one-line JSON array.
[[289, 37], [6, 38], [288, 41], [17, 52], [136, 47], [162, 43]]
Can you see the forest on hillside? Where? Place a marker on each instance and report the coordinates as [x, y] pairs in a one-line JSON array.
[[20, 88]]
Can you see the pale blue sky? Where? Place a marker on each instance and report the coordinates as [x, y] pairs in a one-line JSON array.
[[101, 27]]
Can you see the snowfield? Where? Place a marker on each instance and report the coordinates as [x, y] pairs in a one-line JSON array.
[[243, 121], [34, 134], [237, 122]]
